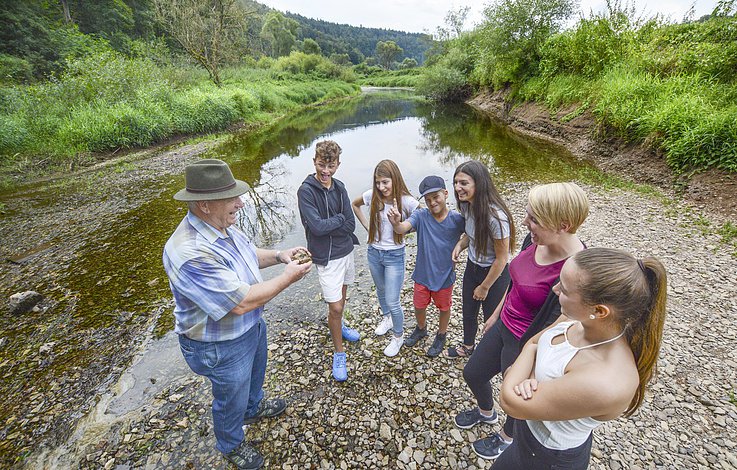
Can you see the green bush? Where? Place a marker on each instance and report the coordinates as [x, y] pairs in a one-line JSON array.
[[14, 70], [441, 83], [108, 101], [588, 49]]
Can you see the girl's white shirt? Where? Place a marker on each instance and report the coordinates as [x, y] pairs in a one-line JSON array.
[[386, 232]]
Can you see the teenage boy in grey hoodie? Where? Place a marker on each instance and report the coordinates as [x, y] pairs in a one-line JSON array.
[[326, 214]]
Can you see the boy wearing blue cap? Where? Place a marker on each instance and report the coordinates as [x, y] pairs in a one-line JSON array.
[[438, 230]]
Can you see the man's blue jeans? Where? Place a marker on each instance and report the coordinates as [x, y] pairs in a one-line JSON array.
[[236, 369], [387, 270]]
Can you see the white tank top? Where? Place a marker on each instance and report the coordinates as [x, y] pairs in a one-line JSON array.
[[550, 363]]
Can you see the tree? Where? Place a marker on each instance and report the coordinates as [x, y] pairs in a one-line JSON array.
[[65, 8], [208, 30], [513, 34], [310, 46], [387, 52], [408, 63], [454, 21], [281, 32]]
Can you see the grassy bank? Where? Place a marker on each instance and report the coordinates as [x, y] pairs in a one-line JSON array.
[[106, 102], [391, 78], [669, 86]]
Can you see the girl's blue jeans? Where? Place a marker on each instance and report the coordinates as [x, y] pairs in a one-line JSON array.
[[387, 270]]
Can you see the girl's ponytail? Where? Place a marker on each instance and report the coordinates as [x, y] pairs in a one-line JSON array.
[[636, 292], [646, 332]]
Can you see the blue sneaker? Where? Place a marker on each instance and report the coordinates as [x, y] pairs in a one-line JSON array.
[[340, 372], [349, 334]]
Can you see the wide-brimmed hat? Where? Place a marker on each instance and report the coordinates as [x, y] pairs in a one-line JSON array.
[[431, 184], [210, 179]]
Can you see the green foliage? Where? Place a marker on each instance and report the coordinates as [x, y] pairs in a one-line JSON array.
[[588, 49], [14, 70], [108, 101], [315, 65], [359, 42], [280, 32], [512, 36], [310, 46], [408, 63], [728, 232], [449, 76], [443, 83], [669, 86], [406, 78], [387, 52]]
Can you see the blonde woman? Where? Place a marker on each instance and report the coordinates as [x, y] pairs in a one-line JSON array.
[[554, 213]]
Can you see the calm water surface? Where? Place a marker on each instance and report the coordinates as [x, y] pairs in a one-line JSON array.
[[117, 278]]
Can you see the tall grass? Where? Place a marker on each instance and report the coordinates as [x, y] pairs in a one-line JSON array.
[[669, 86], [107, 101]]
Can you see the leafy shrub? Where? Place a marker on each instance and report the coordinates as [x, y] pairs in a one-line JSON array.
[[14, 70], [588, 49], [442, 83], [510, 40]]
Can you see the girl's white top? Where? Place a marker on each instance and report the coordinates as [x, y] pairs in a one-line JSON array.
[[550, 363], [499, 231], [386, 231]]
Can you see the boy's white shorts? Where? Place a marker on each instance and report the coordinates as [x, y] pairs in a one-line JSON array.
[[335, 275]]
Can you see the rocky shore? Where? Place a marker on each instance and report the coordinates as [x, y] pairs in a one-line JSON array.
[[397, 412]]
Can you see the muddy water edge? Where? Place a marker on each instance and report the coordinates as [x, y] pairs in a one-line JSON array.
[[91, 244]]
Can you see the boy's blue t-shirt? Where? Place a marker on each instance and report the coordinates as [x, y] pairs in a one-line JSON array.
[[435, 243]]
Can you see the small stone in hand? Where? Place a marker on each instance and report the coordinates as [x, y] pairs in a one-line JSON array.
[[301, 256]]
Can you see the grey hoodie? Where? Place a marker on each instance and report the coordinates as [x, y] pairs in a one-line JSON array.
[[328, 219]]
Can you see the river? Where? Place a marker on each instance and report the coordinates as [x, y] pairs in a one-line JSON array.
[[109, 300]]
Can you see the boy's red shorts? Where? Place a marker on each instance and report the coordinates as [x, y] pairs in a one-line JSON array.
[[442, 298]]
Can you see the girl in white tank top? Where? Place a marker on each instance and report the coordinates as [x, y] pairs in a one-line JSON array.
[[564, 387]]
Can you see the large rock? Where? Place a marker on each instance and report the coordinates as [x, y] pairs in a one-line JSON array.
[[24, 302]]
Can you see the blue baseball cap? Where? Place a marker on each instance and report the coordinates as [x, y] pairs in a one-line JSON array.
[[431, 184]]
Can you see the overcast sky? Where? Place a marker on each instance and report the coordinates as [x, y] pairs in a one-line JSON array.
[[427, 15]]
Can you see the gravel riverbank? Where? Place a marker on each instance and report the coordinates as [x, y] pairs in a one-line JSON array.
[[397, 412]]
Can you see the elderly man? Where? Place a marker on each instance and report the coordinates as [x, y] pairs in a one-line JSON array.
[[219, 296]]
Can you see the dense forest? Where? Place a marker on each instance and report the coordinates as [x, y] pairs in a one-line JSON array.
[[359, 42], [671, 86]]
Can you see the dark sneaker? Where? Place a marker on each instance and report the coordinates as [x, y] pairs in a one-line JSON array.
[[470, 418], [491, 447], [267, 409], [459, 351], [416, 335], [245, 457], [437, 346]]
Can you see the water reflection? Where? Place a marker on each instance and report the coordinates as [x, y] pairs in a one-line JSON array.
[[267, 216]]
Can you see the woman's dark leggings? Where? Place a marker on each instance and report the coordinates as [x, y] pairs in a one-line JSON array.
[[497, 350], [473, 276], [526, 452]]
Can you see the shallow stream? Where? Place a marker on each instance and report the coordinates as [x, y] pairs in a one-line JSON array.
[[112, 298]]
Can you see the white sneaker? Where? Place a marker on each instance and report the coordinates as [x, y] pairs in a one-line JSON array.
[[385, 325], [392, 349]]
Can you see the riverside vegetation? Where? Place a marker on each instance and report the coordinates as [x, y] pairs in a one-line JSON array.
[[105, 101], [668, 86]]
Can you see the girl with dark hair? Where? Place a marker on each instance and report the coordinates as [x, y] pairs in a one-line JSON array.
[[590, 367], [386, 247], [489, 237]]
